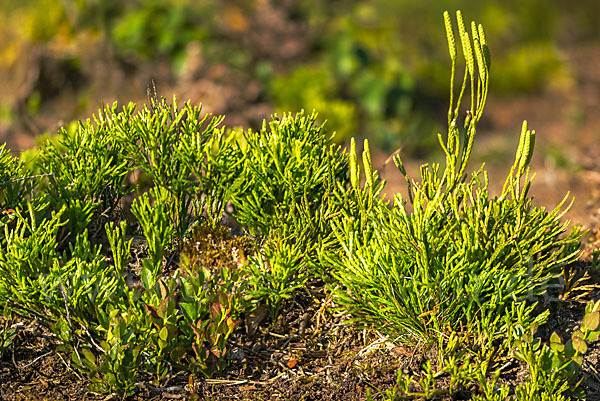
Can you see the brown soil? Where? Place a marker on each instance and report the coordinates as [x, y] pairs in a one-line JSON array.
[[307, 354]]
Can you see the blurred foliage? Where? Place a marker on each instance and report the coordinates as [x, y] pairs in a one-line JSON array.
[[313, 88], [384, 56], [373, 68]]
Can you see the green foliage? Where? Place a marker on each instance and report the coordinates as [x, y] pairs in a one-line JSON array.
[[450, 255], [459, 364], [159, 233], [15, 184], [8, 331], [557, 366], [277, 271], [170, 146], [291, 171], [314, 88], [182, 321], [221, 168], [85, 170], [289, 161], [28, 249], [39, 282], [211, 306], [449, 267], [554, 368], [117, 369]]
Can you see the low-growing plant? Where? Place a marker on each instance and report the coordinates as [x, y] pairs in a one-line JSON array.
[[212, 315], [182, 321], [450, 266], [114, 363], [461, 366], [15, 182], [278, 270], [39, 282], [85, 172], [289, 160], [170, 145], [285, 190], [212, 295], [555, 368], [69, 292], [194, 313], [450, 255], [8, 330]]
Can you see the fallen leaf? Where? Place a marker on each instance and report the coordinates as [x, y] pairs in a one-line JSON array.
[[292, 362]]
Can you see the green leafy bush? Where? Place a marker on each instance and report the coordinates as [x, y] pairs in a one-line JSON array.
[[290, 173], [449, 266], [278, 270], [289, 161], [117, 368], [450, 256], [170, 146], [85, 170], [15, 184]]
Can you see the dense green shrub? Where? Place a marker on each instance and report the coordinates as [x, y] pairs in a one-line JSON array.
[[86, 169], [450, 256], [289, 161], [449, 266], [15, 184], [175, 313]]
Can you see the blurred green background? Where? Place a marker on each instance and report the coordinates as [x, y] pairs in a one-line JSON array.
[[375, 68]]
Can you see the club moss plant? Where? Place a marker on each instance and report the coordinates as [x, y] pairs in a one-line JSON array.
[[450, 256], [449, 267]]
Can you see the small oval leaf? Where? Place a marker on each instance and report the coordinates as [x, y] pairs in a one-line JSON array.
[[556, 343], [89, 356], [558, 347], [577, 334], [163, 334], [555, 338], [147, 277], [591, 320], [579, 345]]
